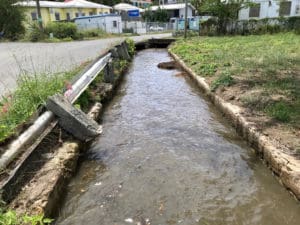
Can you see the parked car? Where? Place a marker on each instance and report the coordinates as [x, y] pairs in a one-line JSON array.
[[156, 28]]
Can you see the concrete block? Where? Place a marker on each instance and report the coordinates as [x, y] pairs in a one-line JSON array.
[[114, 53], [72, 119], [125, 47], [122, 52]]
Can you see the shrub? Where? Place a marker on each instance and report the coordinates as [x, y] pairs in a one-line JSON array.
[[62, 30], [93, 33], [35, 33]]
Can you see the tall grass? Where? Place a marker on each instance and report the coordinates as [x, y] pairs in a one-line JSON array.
[[32, 92]]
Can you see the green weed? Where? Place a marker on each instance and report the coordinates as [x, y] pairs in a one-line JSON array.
[[10, 217], [131, 46], [225, 79], [31, 93], [280, 111]]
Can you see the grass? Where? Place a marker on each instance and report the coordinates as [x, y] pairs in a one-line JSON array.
[[269, 65], [10, 217], [32, 92]]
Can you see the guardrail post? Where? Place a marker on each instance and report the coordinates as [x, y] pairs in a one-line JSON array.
[[109, 76]]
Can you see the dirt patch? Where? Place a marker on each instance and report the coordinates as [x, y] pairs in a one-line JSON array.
[[42, 192]]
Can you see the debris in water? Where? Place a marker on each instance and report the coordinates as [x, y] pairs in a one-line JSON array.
[[161, 208], [98, 184], [168, 65], [129, 220], [181, 74]]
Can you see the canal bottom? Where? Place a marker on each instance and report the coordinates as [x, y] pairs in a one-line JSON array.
[[166, 157]]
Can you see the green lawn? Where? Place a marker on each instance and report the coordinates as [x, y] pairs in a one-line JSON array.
[[266, 67]]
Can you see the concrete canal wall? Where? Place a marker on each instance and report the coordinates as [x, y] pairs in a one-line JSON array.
[[285, 166]]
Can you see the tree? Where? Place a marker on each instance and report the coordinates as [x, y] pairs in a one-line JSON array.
[[224, 11], [160, 15], [11, 17]]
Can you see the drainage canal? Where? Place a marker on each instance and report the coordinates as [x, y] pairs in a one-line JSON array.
[[166, 157]]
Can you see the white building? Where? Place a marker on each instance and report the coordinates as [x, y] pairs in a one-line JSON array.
[[110, 23], [141, 3], [124, 10], [270, 9], [176, 10]]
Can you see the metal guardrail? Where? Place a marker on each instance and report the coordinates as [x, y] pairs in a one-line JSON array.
[[44, 124]]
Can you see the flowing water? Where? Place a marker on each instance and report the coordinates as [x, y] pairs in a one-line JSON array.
[[166, 157]]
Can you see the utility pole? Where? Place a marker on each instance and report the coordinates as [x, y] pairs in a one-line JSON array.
[[185, 19], [39, 15]]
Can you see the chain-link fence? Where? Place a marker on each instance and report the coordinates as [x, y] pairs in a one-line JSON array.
[[139, 27]]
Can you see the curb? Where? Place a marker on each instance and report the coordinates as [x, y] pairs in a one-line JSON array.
[[285, 166]]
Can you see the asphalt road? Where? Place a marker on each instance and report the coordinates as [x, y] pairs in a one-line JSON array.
[[40, 58]]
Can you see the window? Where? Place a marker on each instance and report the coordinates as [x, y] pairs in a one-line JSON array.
[[82, 14], [33, 16], [90, 13], [254, 11], [77, 14], [285, 8], [115, 24], [57, 16], [68, 16]]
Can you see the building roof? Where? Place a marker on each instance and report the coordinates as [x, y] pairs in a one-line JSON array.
[[126, 7], [171, 6], [84, 4], [66, 4]]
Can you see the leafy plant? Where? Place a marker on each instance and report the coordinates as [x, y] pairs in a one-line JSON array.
[[10, 217], [131, 46], [208, 69], [225, 79], [36, 220]]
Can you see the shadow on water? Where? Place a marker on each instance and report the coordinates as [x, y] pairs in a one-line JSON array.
[[166, 157]]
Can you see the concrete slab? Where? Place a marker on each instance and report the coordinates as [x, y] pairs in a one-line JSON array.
[[72, 119]]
